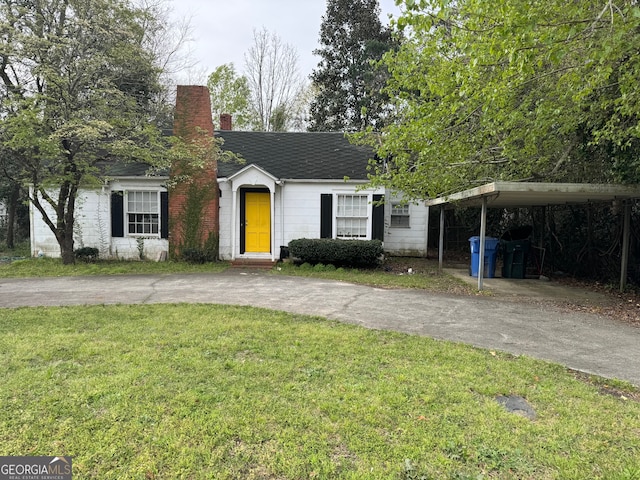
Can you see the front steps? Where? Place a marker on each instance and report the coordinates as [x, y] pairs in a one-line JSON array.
[[253, 263]]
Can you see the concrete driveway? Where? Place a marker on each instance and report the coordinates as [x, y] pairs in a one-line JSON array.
[[585, 342]]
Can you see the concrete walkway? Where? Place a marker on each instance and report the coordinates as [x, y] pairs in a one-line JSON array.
[[590, 343]]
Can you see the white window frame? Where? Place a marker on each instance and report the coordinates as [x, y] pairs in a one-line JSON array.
[[402, 213], [343, 212], [141, 213]]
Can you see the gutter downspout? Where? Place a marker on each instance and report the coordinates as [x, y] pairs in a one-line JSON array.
[[281, 184], [234, 224], [273, 225]]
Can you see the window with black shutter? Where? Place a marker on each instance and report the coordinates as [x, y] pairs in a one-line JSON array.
[[377, 221], [326, 215], [117, 214]]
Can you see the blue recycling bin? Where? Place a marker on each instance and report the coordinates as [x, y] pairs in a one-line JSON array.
[[490, 256]]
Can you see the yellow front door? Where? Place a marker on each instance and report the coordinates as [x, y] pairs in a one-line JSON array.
[[257, 222]]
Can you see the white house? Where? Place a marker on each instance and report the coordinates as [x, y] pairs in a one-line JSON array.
[[307, 185], [290, 186]]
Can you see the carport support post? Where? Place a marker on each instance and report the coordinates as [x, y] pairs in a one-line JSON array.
[[624, 262], [483, 228], [441, 239], [426, 240]]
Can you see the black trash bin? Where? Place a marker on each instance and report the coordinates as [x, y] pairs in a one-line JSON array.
[[514, 247], [514, 258]]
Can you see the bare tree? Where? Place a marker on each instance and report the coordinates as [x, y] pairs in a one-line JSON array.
[[274, 80], [170, 41]]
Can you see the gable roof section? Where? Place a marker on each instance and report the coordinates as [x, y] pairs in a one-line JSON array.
[[297, 155], [254, 167]]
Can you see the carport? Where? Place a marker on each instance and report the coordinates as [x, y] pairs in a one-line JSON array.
[[527, 194]]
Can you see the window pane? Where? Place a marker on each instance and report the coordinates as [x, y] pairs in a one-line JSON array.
[[352, 227], [142, 202], [399, 220], [143, 213], [351, 216], [352, 205], [399, 215], [399, 209], [144, 223]]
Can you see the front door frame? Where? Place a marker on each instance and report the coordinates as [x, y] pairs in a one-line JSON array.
[[243, 216]]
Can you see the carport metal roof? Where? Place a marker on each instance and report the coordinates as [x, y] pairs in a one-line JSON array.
[[527, 194], [521, 194]]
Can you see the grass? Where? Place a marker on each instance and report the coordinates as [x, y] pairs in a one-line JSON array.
[[391, 275], [194, 391], [53, 267]]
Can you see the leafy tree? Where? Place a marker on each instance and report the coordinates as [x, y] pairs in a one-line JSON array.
[[230, 94], [512, 90], [274, 83], [349, 78], [79, 86]]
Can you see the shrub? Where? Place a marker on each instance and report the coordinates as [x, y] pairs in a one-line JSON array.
[[197, 255], [339, 253], [206, 253], [87, 254]]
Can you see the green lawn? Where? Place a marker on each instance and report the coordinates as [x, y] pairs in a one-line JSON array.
[[426, 277], [193, 391], [53, 267]]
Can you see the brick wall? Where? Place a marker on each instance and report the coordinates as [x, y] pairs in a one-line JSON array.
[[193, 123], [225, 122]]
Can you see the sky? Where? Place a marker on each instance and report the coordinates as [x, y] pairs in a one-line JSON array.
[[222, 30]]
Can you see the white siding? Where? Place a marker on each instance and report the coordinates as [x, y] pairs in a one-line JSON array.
[[404, 241], [93, 225], [225, 220], [297, 215]]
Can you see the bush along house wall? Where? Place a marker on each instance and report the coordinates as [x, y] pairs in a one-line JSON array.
[[341, 253]]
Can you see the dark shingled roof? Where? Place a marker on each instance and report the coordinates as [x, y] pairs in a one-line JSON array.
[[129, 169], [285, 155], [297, 155]]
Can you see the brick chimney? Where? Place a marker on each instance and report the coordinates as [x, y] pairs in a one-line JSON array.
[[193, 123], [226, 122]]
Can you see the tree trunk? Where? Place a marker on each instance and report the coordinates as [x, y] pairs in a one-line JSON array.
[[11, 216], [66, 248], [64, 207], [65, 239]]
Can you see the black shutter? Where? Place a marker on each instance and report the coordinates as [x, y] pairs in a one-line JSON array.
[[377, 220], [164, 215], [117, 214], [326, 215]]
